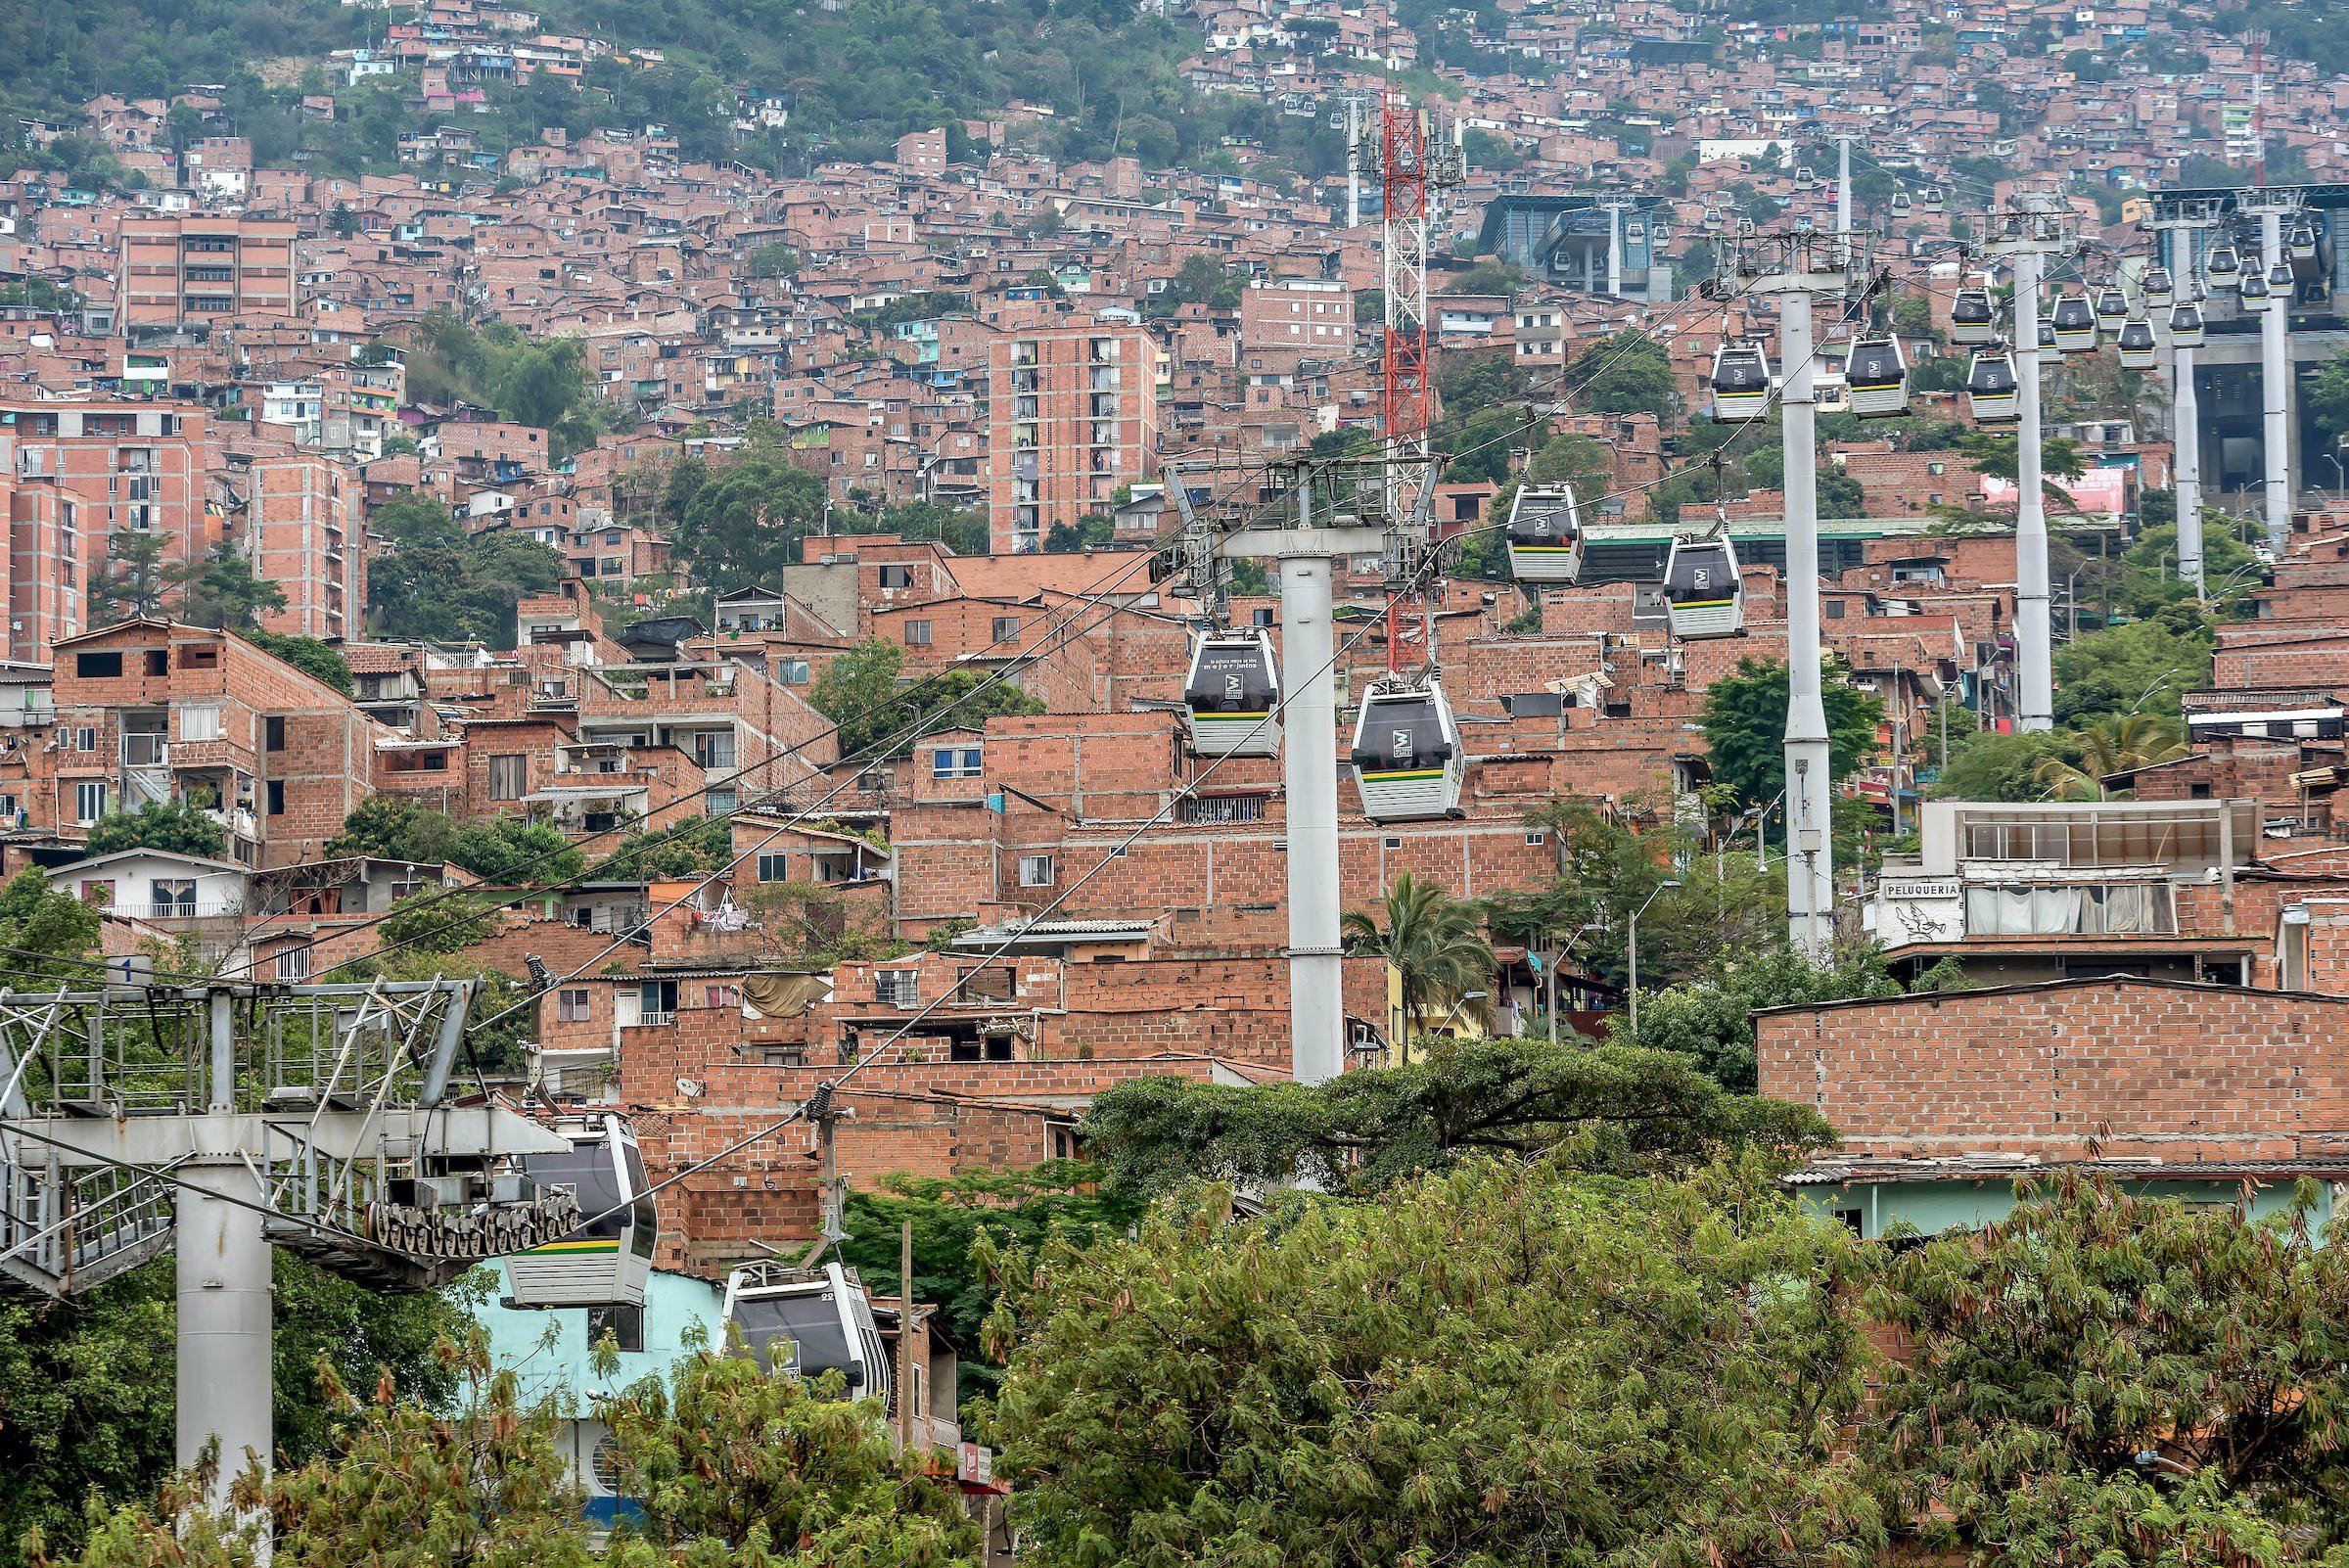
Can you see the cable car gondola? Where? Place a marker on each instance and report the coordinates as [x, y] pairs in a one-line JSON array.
[[2186, 325], [1703, 594], [2252, 287], [1990, 387], [1878, 377], [2280, 286], [2302, 241], [2051, 352], [1406, 754], [608, 1260], [2222, 263], [1545, 536], [2074, 321], [1234, 686], [2112, 309], [810, 1322], [2156, 285], [1971, 318], [1934, 201], [1635, 232], [1804, 179], [1900, 203], [1740, 383], [2137, 346]]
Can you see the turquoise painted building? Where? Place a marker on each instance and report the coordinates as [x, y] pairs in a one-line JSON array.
[[548, 1350], [1883, 1202]]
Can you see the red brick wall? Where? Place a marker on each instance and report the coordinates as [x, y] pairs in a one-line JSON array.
[[2143, 1070]]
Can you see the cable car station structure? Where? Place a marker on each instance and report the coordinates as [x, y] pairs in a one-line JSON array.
[[217, 1121]]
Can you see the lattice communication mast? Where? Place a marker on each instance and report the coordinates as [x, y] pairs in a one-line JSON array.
[[1408, 406]]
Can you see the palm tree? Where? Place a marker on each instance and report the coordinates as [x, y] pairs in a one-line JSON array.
[[1435, 941], [2117, 745]]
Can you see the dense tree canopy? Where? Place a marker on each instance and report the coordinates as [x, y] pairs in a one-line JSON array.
[[1744, 718], [504, 850], [442, 584], [743, 524], [158, 825], [878, 716]]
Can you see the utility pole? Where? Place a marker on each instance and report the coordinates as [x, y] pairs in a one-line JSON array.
[[1794, 269], [2029, 232], [1843, 184]]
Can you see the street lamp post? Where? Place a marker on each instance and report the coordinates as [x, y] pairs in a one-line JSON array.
[[1631, 950]]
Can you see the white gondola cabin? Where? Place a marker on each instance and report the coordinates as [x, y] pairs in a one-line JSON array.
[[1408, 764], [1900, 203], [1972, 321], [608, 1260], [2185, 324], [2112, 310], [2157, 287], [2252, 287], [2279, 283], [1233, 688], [2051, 352], [1934, 201], [2223, 264], [810, 1322], [1703, 594], [1740, 383], [1878, 377], [1545, 536], [2302, 241], [2075, 322], [1990, 387], [2137, 346]]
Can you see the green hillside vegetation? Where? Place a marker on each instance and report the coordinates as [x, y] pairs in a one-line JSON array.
[[853, 79]]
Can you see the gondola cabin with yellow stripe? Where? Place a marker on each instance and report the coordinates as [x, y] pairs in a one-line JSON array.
[[1545, 536], [1408, 765], [608, 1260], [1233, 695], [1704, 596]]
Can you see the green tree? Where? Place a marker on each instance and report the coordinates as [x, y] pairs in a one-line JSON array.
[[2327, 394], [434, 922], [308, 655], [1605, 1107], [1985, 765], [745, 523], [172, 826], [394, 827], [1627, 371], [875, 716], [508, 852], [2119, 744], [222, 591], [86, 1385], [36, 919], [687, 848], [772, 262], [2105, 1377], [1710, 1019], [1435, 941], [133, 581], [1744, 720], [442, 584], [2139, 668], [1487, 151], [1508, 1364]]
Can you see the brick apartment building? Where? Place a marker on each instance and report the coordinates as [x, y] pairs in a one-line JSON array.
[[1072, 414], [73, 473], [193, 271], [151, 711], [1307, 314], [304, 524]]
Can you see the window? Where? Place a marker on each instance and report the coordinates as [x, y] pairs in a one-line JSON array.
[[2044, 909], [721, 996], [293, 963], [507, 776], [625, 1325], [573, 1007], [173, 897], [199, 655], [199, 723], [774, 868], [1833, 609], [98, 665], [1036, 870], [85, 739], [157, 659], [898, 988], [273, 734], [1537, 839], [1225, 809], [98, 894], [993, 984], [715, 748], [896, 576], [89, 803], [2197, 792], [917, 634], [1007, 629], [720, 802], [955, 761], [277, 797], [792, 671]]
